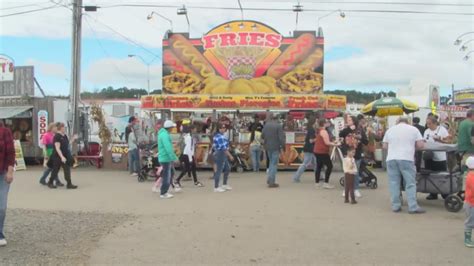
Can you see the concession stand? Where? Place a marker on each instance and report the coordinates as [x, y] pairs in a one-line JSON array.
[[238, 71]]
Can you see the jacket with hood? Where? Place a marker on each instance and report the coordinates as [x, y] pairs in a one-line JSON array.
[[166, 152]]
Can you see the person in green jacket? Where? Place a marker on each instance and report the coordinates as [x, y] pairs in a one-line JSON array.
[[466, 136], [166, 157]]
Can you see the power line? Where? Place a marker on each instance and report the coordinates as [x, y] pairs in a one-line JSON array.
[[125, 37], [22, 6], [383, 3], [29, 11], [103, 49], [291, 10]]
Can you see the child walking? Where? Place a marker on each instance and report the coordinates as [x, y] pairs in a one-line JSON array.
[[350, 170], [469, 204]]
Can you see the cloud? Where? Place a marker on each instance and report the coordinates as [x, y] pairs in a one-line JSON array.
[[395, 48], [54, 70], [130, 72]]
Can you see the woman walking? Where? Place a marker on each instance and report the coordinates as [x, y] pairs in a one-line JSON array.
[[187, 159], [322, 149], [255, 147], [48, 147], [61, 157]]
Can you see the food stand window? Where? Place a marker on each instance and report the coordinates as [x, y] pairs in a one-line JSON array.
[[20, 121]]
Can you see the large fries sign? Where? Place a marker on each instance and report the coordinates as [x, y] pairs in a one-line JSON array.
[[243, 57]]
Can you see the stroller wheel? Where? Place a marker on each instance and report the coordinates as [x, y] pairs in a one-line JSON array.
[[453, 203], [373, 185], [461, 195], [141, 177], [341, 181], [239, 169]]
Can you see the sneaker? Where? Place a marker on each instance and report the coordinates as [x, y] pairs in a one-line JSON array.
[[296, 181], [198, 184], [343, 193], [52, 186], [417, 211], [227, 187], [357, 194], [274, 185], [3, 242], [166, 196], [318, 185], [327, 186], [219, 190], [71, 186], [134, 174], [178, 189], [155, 189], [397, 210], [43, 183]]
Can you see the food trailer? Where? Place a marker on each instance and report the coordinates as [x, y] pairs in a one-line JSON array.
[[240, 69]]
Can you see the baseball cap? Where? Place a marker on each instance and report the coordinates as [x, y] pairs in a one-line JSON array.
[[186, 121], [169, 124], [470, 162]]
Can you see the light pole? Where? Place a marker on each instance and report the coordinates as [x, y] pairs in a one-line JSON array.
[[184, 11], [147, 70], [341, 14], [150, 16], [297, 9]]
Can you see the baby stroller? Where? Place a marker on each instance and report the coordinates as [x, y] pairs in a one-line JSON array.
[[366, 176], [239, 164], [447, 183], [149, 163]]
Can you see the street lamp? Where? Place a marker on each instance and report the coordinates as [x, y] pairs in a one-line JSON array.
[[458, 40], [147, 70], [341, 14], [150, 16], [466, 57], [464, 47], [184, 11], [241, 25]]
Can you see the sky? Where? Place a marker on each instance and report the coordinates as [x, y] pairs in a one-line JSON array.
[[368, 51]]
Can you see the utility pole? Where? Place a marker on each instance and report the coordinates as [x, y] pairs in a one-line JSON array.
[[76, 66]]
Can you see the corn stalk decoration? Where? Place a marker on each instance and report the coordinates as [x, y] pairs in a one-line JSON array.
[[98, 116]]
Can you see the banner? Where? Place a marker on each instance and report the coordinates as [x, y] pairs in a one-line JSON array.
[[243, 57], [256, 102], [7, 68], [42, 125], [464, 96], [19, 157]]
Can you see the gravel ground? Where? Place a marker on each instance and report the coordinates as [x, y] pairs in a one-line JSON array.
[[54, 237]]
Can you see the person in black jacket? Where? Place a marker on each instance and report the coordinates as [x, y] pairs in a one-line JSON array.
[[354, 136], [61, 157], [309, 158], [418, 154]]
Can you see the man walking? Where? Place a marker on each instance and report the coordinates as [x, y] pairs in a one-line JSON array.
[[274, 142], [7, 162], [401, 140], [309, 159], [466, 136]]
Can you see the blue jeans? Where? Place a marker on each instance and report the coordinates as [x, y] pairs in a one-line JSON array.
[[309, 160], [4, 187], [357, 175], [274, 157], [222, 163], [255, 152], [45, 175], [134, 161], [398, 169], [165, 177]]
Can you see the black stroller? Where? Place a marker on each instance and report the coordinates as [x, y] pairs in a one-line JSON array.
[[239, 164], [447, 183], [366, 176], [149, 163]]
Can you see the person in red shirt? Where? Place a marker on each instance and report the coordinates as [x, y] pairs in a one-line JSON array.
[[7, 162], [469, 204]]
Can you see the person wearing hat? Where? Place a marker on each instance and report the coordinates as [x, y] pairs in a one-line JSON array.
[[166, 157], [469, 204]]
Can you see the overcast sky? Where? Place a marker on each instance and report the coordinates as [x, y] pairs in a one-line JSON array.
[[365, 51]]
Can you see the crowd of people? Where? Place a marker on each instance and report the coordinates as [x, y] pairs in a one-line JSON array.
[[401, 142]]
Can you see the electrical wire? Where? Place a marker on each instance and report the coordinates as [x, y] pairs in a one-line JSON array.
[[124, 37], [94, 33], [379, 3], [22, 6], [291, 10], [29, 11]]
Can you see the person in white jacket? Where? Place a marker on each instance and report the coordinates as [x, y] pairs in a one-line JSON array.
[[187, 159]]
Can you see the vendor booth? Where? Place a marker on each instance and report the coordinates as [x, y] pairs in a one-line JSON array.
[[240, 71]]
